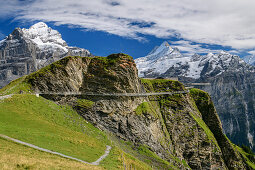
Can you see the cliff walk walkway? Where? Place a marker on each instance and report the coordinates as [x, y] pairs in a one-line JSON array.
[[114, 94]]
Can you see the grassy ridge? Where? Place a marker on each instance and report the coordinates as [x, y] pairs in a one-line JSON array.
[[45, 124], [160, 85], [15, 86], [245, 156], [59, 128]]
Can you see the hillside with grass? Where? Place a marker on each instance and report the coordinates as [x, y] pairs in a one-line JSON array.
[[16, 156], [58, 128], [178, 131]]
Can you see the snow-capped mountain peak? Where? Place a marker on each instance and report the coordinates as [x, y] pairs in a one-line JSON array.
[[39, 25], [224, 52], [210, 55], [45, 37], [159, 60], [163, 50], [165, 45]]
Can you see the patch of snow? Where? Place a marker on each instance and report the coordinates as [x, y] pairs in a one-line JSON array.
[[224, 52], [77, 50], [194, 70], [52, 47], [13, 41], [41, 61], [250, 138], [241, 61], [45, 37]]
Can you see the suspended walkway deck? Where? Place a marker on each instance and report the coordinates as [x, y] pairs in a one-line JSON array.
[[114, 94]]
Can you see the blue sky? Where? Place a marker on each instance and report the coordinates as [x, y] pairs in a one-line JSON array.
[[136, 26]]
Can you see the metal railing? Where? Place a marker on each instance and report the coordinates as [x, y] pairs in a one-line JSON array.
[[114, 94]]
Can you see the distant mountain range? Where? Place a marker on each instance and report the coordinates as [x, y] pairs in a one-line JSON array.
[[232, 84], [165, 61], [26, 50]]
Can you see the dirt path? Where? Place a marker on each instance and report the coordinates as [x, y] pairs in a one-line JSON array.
[[5, 97], [107, 151]]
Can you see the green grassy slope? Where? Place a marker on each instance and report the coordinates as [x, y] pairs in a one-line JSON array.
[[16, 156], [16, 86], [59, 128], [45, 124]]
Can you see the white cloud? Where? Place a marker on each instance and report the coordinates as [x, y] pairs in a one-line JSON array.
[[222, 22], [189, 48], [252, 52], [186, 46], [12, 8]]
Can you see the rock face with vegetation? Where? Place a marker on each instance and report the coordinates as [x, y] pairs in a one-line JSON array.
[[231, 89], [210, 117], [180, 131], [233, 95]]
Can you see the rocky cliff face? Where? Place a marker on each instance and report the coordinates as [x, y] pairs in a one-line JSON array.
[[233, 94], [182, 129], [231, 88], [26, 50]]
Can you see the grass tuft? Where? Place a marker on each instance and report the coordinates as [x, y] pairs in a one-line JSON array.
[[145, 108], [87, 104]]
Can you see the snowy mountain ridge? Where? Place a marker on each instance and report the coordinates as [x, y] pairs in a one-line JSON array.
[[159, 60], [165, 61], [48, 40], [27, 50]]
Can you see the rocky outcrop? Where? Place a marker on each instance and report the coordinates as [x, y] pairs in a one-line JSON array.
[[233, 95], [231, 89], [181, 130], [116, 73], [210, 117], [27, 50]]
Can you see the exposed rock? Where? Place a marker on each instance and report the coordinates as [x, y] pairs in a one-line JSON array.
[[210, 117], [233, 95]]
